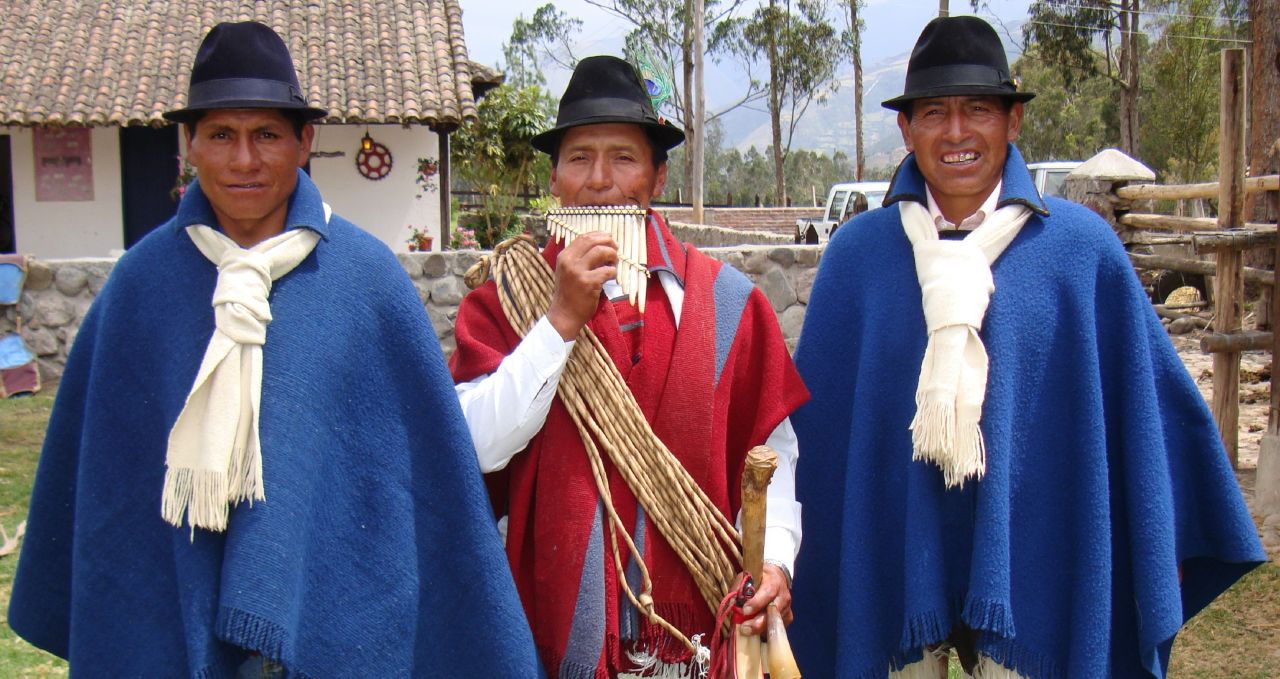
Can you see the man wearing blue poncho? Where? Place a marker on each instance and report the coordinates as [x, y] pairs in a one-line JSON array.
[[1003, 454], [256, 465]]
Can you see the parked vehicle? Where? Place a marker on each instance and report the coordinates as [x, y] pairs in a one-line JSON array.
[[843, 202], [1050, 175]]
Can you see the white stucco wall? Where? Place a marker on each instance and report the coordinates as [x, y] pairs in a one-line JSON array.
[[53, 230], [388, 206], [385, 208]]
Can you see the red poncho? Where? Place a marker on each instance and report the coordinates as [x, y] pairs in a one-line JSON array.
[[711, 390]]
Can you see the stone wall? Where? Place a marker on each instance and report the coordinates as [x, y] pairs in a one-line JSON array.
[[779, 220], [705, 236], [58, 293], [55, 297]]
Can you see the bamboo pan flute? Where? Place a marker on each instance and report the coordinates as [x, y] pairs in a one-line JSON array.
[[627, 227]]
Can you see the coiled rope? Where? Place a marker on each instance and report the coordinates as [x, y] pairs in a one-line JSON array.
[[607, 416]]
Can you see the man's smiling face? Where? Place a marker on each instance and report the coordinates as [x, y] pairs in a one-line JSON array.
[[960, 144]]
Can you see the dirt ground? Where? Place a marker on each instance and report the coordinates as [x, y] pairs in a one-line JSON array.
[[1255, 390], [1255, 403]]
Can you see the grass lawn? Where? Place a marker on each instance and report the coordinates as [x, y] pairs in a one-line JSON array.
[[22, 424], [1237, 636]]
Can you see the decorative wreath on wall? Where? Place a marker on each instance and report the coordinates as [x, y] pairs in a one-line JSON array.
[[374, 160]]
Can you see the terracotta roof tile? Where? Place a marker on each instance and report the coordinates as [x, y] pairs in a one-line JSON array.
[[126, 62]]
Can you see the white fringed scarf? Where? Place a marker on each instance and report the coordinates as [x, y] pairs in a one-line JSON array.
[[956, 286], [214, 458]]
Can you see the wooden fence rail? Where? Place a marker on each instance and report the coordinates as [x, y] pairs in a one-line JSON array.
[[1193, 191]]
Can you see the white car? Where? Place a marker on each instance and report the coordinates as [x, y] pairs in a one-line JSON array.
[[1050, 175], [844, 201]]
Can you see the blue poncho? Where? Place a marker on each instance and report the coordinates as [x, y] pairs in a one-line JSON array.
[[375, 553], [1105, 473]]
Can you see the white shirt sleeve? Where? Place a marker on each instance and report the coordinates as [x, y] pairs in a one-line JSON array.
[[506, 408]]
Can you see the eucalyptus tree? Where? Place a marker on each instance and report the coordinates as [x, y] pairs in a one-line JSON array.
[[801, 50], [1066, 31]]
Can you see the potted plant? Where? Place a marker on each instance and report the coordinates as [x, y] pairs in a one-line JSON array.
[[419, 240]]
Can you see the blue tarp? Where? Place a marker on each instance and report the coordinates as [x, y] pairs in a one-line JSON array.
[[11, 279], [13, 353]]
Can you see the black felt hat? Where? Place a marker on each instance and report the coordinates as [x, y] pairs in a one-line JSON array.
[[606, 89], [957, 56], [243, 65]]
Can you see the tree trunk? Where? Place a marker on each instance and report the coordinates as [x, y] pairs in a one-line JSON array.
[[775, 115], [692, 135], [699, 114], [1129, 77], [860, 159], [1263, 153]]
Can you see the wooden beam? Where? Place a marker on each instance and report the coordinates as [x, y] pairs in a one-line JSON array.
[[1148, 238], [1229, 284], [445, 175], [1236, 239], [1193, 191], [1150, 222], [1228, 290], [1235, 342], [1200, 266]]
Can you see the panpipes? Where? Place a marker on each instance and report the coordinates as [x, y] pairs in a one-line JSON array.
[[627, 227]]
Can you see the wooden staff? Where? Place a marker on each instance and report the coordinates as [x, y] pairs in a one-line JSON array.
[[761, 462]]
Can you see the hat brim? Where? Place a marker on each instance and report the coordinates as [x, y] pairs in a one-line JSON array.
[[900, 104], [666, 135], [186, 115]]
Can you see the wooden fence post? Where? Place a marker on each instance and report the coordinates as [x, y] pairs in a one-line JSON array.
[[1229, 283]]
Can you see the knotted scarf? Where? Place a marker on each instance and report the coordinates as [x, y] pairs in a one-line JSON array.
[[956, 286], [213, 458]]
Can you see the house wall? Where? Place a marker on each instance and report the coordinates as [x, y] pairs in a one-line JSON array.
[[385, 208], [388, 206], [60, 229]]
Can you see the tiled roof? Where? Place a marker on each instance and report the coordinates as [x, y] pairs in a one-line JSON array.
[[127, 61]]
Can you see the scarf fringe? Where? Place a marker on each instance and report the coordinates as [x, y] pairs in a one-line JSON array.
[[245, 475], [957, 448], [200, 493], [933, 430]]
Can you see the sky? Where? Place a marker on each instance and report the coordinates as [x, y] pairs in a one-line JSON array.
[[891, 26]]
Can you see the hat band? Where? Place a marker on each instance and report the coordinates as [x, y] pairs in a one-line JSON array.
[[958, 75], [271, 92], [604, 107]]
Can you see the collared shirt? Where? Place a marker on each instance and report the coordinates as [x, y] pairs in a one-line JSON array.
[[506, 409], [969, 223]]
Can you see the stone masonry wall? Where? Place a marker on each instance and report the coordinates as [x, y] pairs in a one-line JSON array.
[[779, 220], [718, 236], [58, 293]]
